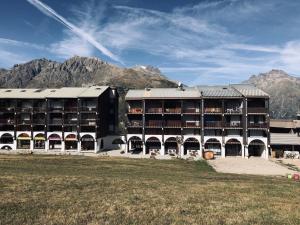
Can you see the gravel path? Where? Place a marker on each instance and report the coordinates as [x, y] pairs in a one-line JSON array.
[[255, 166]]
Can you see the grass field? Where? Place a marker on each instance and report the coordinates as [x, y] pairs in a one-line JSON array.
[[83, 190]]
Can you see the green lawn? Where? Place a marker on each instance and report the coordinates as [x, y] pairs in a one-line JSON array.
[[84, 190]]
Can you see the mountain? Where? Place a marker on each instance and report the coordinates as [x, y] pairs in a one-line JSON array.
[[283, 89], [80, 71]]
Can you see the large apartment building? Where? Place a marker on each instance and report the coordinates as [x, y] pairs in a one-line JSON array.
[[63, 119], [228, 120]]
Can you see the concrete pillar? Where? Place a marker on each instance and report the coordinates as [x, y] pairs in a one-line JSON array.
[[14, 145], [162, 149], [47, 145], [246, 152], [243, 151], [181, 150], [62, 146], [79, 146], [223, 153], [31, 145], [130, 145], [126, 148], [144, 149], [96, 147], [267, 153]]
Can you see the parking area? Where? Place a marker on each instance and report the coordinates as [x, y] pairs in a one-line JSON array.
[[253, 165]]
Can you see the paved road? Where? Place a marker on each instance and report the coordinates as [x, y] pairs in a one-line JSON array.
[[256, 166]]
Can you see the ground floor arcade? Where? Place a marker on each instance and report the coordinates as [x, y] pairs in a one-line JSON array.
[[192, 146]]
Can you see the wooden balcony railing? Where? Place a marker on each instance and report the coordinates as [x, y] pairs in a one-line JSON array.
[[173, 123], [172, 110], [89, 122], [233, 110], [135, 124], [27, 110], [233, 125], [71, 109], [213, 110], [192, 124], [7, 109], [24, 121], [88, 109], [191, 110], [258, 125], [135, 110], [154, 123], [7, 121], [39, 109], [154, 110], [213, 124], [256, 110]]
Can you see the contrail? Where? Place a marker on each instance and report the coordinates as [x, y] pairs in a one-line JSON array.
[[52, 13]]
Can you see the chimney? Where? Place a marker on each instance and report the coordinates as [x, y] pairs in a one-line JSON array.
[[180, 86]]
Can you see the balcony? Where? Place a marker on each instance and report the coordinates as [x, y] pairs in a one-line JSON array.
[[258, 125], [71, 109], [70, 121], [24, 122], [88, 109], [24, 110], [135, 123], [39, 109], [213, 110], [257, 110], [135, 111], [173, 110], [154, 110], [56, 109], [7, 121], [38, 121], [213, 124], [192, 124], [173, 124], [191, 110], [235, 124], [154, 123], [88, 122], [233, 111], [56, 121]]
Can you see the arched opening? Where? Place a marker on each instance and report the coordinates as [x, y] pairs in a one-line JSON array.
[[6, 147], [153, 145], [54, 142], [233, 147], [256, 148], [171, 146], [213, 145], [191, 146], [87, 143], [71, 142], [6, 139], [39, 141], [135, 144], [23, 141]]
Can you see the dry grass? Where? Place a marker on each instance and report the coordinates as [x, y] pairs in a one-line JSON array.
[[82, 190]]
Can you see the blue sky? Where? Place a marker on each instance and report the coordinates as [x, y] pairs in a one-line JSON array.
[[196, 42]]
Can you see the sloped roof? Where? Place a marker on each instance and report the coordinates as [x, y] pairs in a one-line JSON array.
[[65, 92], [248, 90], [284, 139], [152, 93], [218, 91], [291, 124]]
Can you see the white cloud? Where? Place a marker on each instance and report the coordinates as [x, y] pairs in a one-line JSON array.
[[83, 34]]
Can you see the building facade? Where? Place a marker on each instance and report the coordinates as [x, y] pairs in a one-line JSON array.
[[228, 120], [64, 119]]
